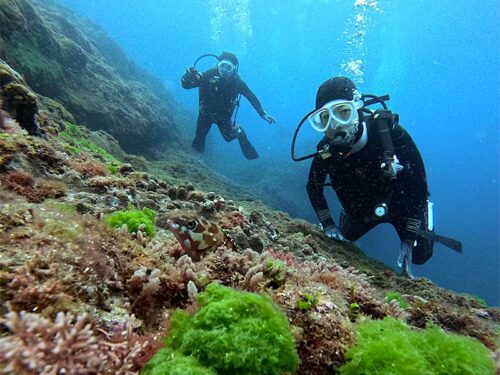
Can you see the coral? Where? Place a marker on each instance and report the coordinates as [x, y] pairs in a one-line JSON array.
[[233, 220], [394, 309], [234, 333], [89, 168], [151, 290], [274, 271], [181, 193], [24, 184], [68, 345], [101, 184], [18, 181], [327, 330], [195, 195], [25, 292], [51, 189], [390, 347], [133, 220]]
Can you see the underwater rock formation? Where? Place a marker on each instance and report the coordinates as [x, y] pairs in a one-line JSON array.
[[18, 100], [87, 73]]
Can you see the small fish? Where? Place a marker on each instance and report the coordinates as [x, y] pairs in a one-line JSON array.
[[197, 236]]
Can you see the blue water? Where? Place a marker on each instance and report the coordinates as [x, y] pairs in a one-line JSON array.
[[438, 60]]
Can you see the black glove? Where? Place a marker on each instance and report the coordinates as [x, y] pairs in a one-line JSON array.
[[192, 75]]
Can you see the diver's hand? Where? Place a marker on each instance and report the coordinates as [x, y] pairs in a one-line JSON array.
[[391, 169], [334, 233], [270, 119], [405, 259], [192, 74]]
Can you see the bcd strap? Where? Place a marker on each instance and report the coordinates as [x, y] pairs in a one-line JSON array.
[[375, 100]]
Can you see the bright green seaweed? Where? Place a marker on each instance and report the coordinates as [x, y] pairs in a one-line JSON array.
[[390, 347], [233, 332]]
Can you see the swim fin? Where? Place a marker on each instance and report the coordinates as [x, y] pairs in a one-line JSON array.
[[446, 241], [246, 147]]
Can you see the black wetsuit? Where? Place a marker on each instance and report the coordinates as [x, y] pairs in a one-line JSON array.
[[360, 185], [218, 98]]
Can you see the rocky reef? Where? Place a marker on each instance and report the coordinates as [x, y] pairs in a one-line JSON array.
[[72, 61], [92, 279], [79, 294]]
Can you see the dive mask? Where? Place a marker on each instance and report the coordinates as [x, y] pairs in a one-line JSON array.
[[334, 114], [225, 68]]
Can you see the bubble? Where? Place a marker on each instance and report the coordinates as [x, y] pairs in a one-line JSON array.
[[230, 23], [354, 34]]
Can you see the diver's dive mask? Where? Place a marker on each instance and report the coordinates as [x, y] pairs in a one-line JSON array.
[[226, 68], [337, 113]]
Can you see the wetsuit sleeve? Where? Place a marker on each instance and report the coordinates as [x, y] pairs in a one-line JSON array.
[[190, 81], [317, 177], [247, 93]]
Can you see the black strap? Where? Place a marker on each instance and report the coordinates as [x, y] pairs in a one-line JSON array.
[[203, 56], [376, 99], [384, 122]]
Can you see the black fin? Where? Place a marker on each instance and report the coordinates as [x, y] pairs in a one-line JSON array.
[[246, 147], [446, 241]]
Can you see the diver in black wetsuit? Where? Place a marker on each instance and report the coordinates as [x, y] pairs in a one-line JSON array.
[[376, 171], [219, 90]]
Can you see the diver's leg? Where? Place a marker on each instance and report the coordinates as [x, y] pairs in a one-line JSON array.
[[229, 133], [423, 250], [414, 248], [225, 126], [246, 147], [203, 126], [422, 247], [353, 229]]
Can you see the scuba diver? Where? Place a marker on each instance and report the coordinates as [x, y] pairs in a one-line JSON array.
[[220, 90], [375, 169]]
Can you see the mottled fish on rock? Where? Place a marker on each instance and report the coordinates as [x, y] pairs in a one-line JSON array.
[[197, 236]]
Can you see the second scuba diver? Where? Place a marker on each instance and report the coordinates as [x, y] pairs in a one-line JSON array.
[[220, 89], [375, 169]]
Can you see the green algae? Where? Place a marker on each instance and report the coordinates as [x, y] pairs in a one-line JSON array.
[[77, 142], [169, 362], [307, 302], [133, 219], [233, 332], [393, 295], [390, 347]]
